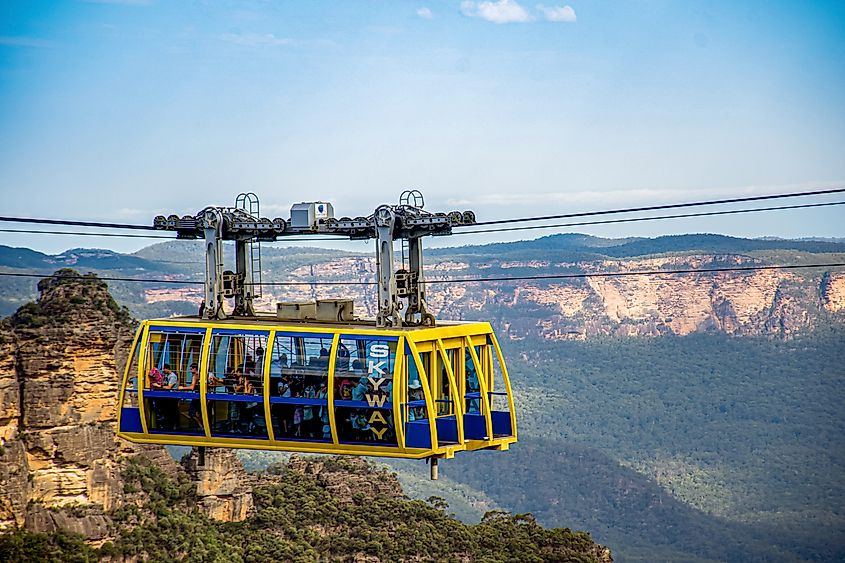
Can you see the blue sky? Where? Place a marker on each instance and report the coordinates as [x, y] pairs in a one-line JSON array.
[[120, 110]]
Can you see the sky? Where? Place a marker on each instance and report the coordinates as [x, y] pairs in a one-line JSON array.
[[119, 110]]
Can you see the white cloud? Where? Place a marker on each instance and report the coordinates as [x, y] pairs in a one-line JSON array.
[[255, 39], [558, 13], [500, 11], [424, 13]]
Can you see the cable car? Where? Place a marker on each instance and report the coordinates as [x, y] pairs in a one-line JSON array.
[[314, 378], [318, 388]]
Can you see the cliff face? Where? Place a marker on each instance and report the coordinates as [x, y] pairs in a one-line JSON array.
[[61, 361], [764, 302]]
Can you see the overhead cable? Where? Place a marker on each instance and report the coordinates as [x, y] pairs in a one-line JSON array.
[[76, 223], [474, 280], [120, 235], [654, 218], [96, 224], [658, 207], [481, 231], [132, 235]]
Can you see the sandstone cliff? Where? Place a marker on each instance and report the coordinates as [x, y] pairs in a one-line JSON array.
[[61, 464], [777, 303]]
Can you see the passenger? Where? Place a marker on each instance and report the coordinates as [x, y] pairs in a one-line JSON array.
[[194, 378], [473, 386], [346, 390], [167, 410], [416, 394], [231, 380], [284, 386], [361, 427], [244, 385], [216, 384], [308, 418], [297, 384], [194, 410], [171, 380], [297, 421], [323, 393], [359, 392], [156, 378]]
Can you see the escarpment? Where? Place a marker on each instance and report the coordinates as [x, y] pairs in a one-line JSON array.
[[61, 362], [769, 302], [63, 471]]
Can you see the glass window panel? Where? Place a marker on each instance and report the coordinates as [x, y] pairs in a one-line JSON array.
[[303, 422], [130, 396], [169, 358], [166, 415], [416, 395], [498, 397], [299, 365], [235, 368], [236, 364], [364, 384], [237, 419], [443, 391], [472, 385]]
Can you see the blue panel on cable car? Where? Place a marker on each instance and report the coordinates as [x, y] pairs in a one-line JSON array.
[[447, 429], [239, 332], [417, 434], [501, 423], [475, 427], [178, 329], [130, 420], [374, 337]]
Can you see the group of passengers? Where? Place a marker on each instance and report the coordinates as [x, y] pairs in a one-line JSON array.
[[353, 425], [303, 421], [167, 411]]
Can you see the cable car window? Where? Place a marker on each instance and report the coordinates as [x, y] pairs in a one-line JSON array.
[[442, 391], [364, 390], [299, 376], [130, 394], [234, 388], [472, 385], [498, 394], [169, 357], [171, 404], [416, 395]]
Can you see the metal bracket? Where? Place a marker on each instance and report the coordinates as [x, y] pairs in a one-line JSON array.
[[407, 221]]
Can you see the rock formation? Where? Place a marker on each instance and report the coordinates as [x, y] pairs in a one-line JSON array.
[[61, 361], [776, 303], [223, 487]]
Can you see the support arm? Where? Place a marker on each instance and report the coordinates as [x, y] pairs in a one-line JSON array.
[[388, 305], [213, 229]]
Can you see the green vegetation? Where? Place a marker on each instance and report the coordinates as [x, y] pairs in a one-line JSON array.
[[744, 436], [297, 519]]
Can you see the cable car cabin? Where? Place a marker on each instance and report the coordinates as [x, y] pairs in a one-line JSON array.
[[411, 392]]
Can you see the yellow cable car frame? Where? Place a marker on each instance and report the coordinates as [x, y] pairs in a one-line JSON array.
[[460, 401]]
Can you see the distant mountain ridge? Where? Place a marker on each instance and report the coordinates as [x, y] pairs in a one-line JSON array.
[[631, 247], [581, 245], [94, 258], [540, 303]]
